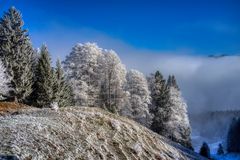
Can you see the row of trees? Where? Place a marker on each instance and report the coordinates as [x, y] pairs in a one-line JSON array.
[[98, 74], [49, 83], [169, 109], [205, 150], [97, 79], [27, 76]]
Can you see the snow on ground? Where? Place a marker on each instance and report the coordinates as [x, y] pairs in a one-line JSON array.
[[213, 142], [231, 156], [82, 133]]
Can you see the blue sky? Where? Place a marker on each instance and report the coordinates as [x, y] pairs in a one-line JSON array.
[[197, 27], [172, 36]]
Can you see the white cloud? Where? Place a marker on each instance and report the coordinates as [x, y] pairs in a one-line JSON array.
[[206, 83]]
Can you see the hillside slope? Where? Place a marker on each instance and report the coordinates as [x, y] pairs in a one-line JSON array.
[[81, 133]]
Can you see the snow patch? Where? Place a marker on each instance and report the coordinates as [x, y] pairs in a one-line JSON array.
[[137, 148], [115, 125]]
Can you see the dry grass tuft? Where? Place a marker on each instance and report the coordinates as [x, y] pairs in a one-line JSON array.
[[10, 107]]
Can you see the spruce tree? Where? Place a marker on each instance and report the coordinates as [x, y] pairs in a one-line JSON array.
[[16, 53], [44, 79], [172, 82], [169, 81], [233, 138], [220, 150], [160, 103], [178, 129], [32, 98], [62, 91], [205, 150]]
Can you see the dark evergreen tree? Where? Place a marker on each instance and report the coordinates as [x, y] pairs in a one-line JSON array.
[[62, 91], [233, 138], [44, 79], [160, 103], [32, 98], [172, 82], [16, 53], [169, 81], [220, 150], [205, 150], [35, 58]]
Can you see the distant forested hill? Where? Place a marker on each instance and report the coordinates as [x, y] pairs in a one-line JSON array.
[[213, 124]]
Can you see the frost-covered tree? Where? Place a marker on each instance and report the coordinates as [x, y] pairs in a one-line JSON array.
[[82, 72], [126, 109], [62, 92], [45, 79], [178, 126], [169, 109], [205, 150], [16, 54], [4, 83], [140, 98], [160, 103], [233, 138], [113, 78], [79, 89]]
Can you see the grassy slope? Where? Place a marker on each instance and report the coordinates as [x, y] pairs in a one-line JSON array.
[[82, 133]]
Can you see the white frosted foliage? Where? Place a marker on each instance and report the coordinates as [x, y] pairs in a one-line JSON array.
[[113, 78], [82, 71], [140, 98], [178, 124], [4, 80], [54, 106]]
